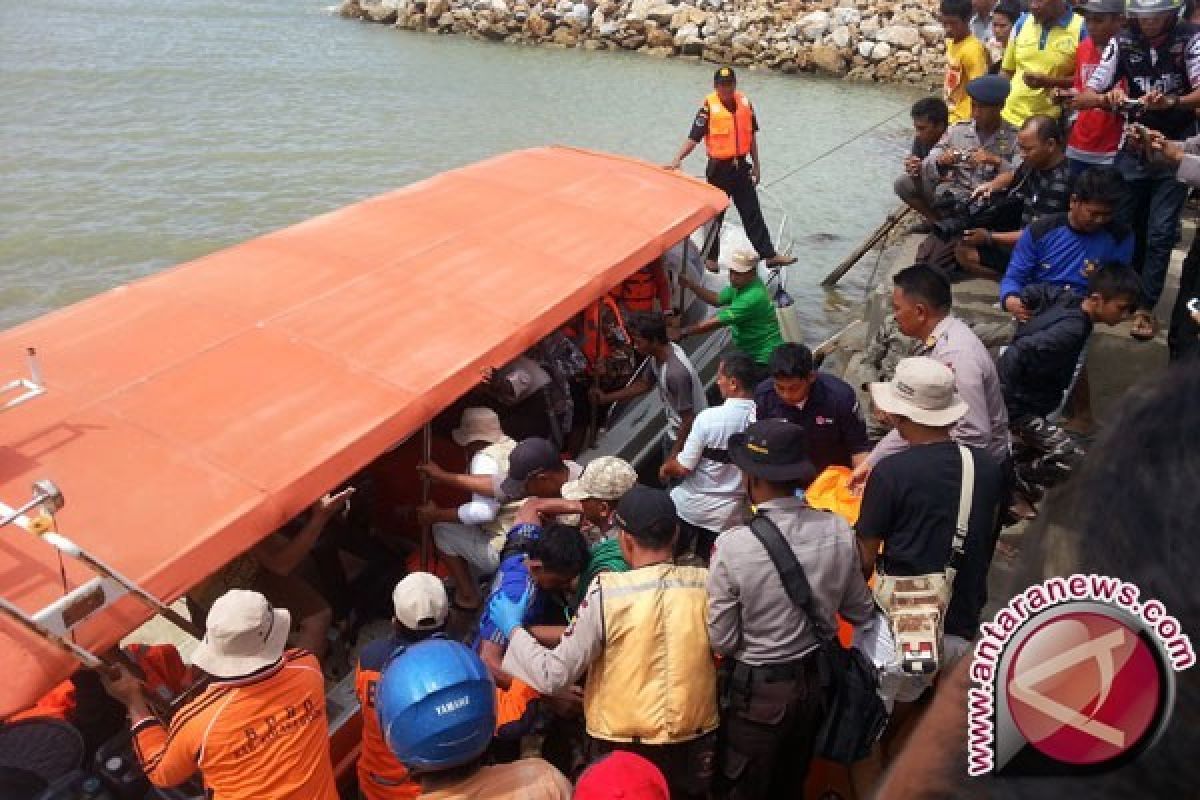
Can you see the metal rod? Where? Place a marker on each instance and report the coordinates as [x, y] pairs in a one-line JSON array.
[[426, 490], [35, 372]]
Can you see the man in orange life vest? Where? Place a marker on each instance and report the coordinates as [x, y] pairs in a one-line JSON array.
[[727, 124]]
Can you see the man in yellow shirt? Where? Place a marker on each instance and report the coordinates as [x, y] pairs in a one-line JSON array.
[[966, 58], [1039, 58]]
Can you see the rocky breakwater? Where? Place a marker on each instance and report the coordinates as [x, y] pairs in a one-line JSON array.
[[897, 41]]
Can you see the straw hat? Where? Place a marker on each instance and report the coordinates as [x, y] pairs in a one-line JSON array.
[[922, 390], [478, 425], [244, 634]]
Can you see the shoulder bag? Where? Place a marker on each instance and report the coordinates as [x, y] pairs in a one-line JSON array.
[[915, 605]]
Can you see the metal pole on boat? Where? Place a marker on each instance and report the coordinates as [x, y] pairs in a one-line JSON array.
[[426, 458]]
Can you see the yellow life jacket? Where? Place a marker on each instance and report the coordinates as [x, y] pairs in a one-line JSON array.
[[729, 134], [655, 681], [498, 528]]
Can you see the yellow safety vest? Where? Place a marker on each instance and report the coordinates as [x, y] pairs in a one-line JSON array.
[[498, 528], [655, 681]]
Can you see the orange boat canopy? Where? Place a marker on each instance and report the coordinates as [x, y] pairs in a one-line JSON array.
[[190, 414]]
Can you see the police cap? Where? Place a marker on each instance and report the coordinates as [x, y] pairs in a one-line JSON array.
[[989, 90], [724, 75]]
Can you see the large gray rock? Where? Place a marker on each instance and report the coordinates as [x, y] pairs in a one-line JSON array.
[[880, 51], [865, 47], [814, 25], [900, 35], [846, 16], [840, 37]]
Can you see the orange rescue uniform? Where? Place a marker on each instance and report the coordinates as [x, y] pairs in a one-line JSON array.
[[730, 134], [261, 737], [380, 775]]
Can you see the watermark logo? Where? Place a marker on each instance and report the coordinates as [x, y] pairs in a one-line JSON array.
[[1075, 675]]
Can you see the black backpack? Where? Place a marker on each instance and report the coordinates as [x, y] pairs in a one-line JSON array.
[[854, 715]]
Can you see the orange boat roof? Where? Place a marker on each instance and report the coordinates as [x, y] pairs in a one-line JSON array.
[[191, 413]]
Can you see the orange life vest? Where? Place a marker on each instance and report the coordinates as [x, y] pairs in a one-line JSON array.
[[593, 342], [637, 292], [729, 134]]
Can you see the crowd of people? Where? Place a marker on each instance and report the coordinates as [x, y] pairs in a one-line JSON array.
[[592, 631]]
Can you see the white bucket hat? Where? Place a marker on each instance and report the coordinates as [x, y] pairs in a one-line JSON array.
[[478, 424], [243, 634], [420, 602], [744, 261], [922, 390]]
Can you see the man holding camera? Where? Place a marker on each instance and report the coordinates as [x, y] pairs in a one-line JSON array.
[[977, 150], [1041, 183], [1158, 58]]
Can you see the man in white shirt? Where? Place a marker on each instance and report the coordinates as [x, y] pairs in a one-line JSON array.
[[465, 535], [709, 498]]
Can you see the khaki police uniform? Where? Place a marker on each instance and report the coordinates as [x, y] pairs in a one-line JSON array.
[[961, 179], [771, 687]]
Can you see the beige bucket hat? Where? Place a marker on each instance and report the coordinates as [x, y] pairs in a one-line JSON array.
[[478, 424], [922, 390], [243, 635]]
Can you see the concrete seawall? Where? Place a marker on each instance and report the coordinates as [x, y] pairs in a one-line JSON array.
[[888, 41]]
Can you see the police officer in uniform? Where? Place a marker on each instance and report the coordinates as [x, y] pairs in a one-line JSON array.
[[976, 150], [771, 689], [728, 127]]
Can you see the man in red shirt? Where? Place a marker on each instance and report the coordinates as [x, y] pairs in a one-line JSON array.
[[1096, 134]]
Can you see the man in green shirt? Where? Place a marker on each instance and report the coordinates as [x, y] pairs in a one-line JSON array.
[[745, 308]]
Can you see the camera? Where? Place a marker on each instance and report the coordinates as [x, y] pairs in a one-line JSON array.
[[999, 211]]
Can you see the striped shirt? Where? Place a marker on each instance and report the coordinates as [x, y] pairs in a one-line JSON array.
[[260, 737]]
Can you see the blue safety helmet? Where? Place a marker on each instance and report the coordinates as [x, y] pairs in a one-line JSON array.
[[437, 705]]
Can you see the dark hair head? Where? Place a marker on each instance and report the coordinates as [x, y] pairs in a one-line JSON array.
[[1009, 8], [741, 368], [1102, 184], [957, 8], [649, 325], [561, 549], [931, 109], [1112, 279], [790, 361], [925, 285], [1046, 128]]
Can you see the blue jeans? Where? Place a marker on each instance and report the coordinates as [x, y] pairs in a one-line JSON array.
[[1152, 205]]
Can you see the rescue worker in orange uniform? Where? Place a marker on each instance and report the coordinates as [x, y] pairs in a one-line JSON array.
[[639, 291], [257, 729], [728, 126], [420, 605]]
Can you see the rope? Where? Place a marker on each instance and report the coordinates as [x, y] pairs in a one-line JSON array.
[[835, 148]]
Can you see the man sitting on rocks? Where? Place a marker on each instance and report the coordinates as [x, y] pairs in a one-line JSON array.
[[929, 118]]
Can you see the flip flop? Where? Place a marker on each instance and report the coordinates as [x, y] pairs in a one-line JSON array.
[[1145, 326]]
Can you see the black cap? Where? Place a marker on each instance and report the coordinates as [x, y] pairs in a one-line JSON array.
[[773, 449], [647, 514], [989, 90], [724, 75], [530, 456]]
